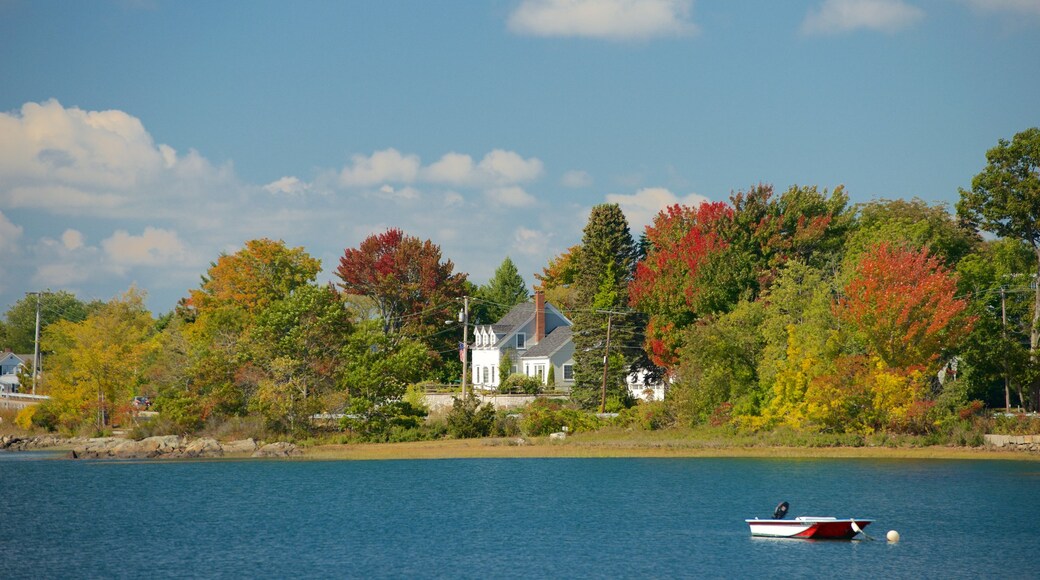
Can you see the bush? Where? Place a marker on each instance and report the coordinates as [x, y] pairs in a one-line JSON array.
[[507, 423], [520, 383], [648, 416], [24, 418], [546, 416], [467, 419]]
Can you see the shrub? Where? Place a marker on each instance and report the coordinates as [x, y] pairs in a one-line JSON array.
[[545, 416], [521, 383], [468, 419], [648, 416], [24, 418]]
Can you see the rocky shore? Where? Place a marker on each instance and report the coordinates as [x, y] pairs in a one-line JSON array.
[[163, 447]]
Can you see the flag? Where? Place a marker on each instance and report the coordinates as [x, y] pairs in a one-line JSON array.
[[462, 351]]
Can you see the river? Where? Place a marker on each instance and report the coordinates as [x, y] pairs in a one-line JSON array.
[[506, 518]]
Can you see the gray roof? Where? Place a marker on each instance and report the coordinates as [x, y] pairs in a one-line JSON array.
[[516, 316], [548, 345]]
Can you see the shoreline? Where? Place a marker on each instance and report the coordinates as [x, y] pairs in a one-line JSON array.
[[546, 448], [543, 449]]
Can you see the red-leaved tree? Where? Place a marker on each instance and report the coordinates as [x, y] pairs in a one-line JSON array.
[[902, 302], [667, 285], [414, 291]]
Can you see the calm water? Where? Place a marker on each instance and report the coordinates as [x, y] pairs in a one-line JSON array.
[[490, 518]]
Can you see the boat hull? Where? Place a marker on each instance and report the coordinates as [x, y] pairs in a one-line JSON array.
[[808, 528]]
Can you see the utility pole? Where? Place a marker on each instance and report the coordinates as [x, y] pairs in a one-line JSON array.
[[1003, 334], [464, 316], [606, 354], [36, 341]]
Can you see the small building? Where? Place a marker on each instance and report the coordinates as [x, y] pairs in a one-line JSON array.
[[11, 365], [535, 336]]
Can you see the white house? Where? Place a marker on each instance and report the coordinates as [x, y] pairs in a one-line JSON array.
[[537, 337], [10, 365]]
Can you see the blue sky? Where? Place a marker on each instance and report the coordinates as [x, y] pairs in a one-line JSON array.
[[139, 139]]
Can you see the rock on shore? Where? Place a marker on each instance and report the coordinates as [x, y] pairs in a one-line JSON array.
[[16, 443], [160, 447], [174, 447]]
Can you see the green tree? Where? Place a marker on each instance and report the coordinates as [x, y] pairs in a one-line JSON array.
[[913, 223], [604, 268], [1005, 199], [376, 371], [995, 356], [54, 306], [505, 290]]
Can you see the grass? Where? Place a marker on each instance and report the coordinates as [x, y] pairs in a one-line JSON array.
[[620, 443]]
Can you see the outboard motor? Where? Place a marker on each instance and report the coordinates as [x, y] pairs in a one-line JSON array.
[[780, 511]]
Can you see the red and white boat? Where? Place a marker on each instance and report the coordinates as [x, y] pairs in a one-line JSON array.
[[806, 527]]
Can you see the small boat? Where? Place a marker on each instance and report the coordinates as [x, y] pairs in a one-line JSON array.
[[806, 527]]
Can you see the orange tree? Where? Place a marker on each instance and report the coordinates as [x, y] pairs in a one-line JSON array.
[[902, 304]]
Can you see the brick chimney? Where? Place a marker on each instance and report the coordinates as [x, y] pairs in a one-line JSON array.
[[539, 316]]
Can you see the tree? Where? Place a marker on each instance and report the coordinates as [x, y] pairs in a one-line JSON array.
[[557, 280], [505, 290], [604, 268], [413, 289], [257, 275], [1005, 200], [913, 223], [376, 371], [701, 262], [996, 354], [97, 365], [54, 306], [902, 303]]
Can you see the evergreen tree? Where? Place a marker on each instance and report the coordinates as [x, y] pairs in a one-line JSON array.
[[605, 266], [505, 290]]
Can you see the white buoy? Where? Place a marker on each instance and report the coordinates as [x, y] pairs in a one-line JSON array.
[[893, 536]]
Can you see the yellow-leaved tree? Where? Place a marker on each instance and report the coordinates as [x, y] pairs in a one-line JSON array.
[[97, 365]]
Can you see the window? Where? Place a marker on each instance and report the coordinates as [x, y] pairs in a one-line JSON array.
[[485, 375], [512, 370], [568, 372], [521, 341], [539, 371]]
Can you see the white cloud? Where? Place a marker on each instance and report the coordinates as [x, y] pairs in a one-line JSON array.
[[454, 168], [576, 179], [9, 234], [72, 239], [154, 247], [511, 196], [287, 185], [504, 167], [641, 207], [406, 193], [531, 242], [71, 161], [383, 166], [1026, 7], [608, 19], [838, 16]]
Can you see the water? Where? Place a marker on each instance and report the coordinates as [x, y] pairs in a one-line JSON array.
[[501, 518]]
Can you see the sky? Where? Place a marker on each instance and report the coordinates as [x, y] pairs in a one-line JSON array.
[[140, 139]]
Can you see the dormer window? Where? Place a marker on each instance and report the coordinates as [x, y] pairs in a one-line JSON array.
[[521, 341]]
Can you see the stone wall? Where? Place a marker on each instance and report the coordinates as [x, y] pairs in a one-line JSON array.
[[442, 401], [1014, 442]]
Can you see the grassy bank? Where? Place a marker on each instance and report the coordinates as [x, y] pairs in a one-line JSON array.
[[636, 444]]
